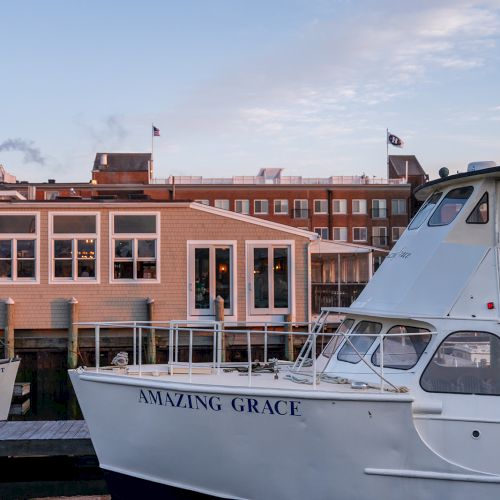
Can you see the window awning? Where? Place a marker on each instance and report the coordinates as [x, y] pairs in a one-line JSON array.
[[322, 246]]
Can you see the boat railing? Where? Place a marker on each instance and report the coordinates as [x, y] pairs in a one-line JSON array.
[[174, 329]]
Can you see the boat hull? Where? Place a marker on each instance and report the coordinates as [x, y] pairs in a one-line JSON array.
[[253, 443], [8, 372]]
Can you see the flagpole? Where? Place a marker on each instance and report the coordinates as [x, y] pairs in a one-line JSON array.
[[387, 151], [152, 151]]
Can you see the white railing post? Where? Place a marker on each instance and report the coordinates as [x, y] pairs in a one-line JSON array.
[[134, 354], [97, 347], [314, 360], [170, 344], [219, 348], [176, 358], [249, 355], [214, 346], [190, 354], [381, 362], [265, 342], [140, 351]]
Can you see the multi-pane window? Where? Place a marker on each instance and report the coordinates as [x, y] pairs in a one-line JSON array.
[[359, 234], [74, 247], [340, 234], [280, 207], [379, 236], [261, 207], [211, 275], [339, 206], [270, 276], [397, 232], [320, 206], [242, 207], [300, 209], [398, 207], [224, 204], [203, 202], [322, 232], [379, 209], [359, 207], [18, 235], [135, 246]]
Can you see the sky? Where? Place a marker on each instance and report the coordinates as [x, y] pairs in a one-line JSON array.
[[236, 85]]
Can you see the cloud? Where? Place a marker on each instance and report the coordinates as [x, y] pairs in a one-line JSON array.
[[31, 153], [108, 132]]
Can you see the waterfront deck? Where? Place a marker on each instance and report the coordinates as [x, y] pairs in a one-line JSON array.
[[45, 438]]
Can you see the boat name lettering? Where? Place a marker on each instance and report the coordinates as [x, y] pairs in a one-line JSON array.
[[402, 254], [280, 407]]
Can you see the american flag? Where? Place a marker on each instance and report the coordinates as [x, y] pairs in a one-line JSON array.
[[156, 131]]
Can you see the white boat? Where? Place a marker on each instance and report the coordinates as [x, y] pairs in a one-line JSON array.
[[8, 372], [404, 402]]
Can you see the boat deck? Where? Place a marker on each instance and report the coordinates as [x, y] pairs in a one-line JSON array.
[[205, 375]]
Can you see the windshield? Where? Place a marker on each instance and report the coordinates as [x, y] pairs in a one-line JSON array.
[[450, 207], [360, 340], [337, 338], [425, 211]]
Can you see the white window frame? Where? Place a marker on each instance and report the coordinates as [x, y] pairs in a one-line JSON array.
[[281, 211], [322, 202], [401, 230], [74, 237], [381, 206], [343, 206], [386, 235], [50, 195], [261, 201], [244, 211], [23, 236], [222, 201], [229, 313], [269, 314], [321, 231], [400, 201], [366, 234], [134, 236], [341, 229], [361, 203]]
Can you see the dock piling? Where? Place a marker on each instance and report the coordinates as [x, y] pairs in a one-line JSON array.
[[151, 335], [9, 344], [73, 333]]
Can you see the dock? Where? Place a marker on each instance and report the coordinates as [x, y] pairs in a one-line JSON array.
[[44, 438]]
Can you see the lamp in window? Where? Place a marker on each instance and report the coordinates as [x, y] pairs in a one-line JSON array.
[[222, 268]]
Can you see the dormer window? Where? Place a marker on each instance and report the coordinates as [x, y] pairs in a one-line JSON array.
[[451, 206]]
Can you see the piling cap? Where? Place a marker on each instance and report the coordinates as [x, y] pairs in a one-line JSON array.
[[73, 300], [9, 301], [150, 300]]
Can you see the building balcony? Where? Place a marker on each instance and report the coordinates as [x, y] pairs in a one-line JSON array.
[[334, 295]]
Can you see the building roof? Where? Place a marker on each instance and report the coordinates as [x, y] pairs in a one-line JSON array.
[[397, 165], [122, 162]]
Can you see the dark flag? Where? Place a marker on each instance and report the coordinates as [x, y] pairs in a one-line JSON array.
[[394, 140], [156, 132]]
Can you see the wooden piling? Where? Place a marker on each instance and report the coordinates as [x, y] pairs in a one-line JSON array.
[[73, 333], [219, 316], [289, 351], [9, 344], [151, 334]]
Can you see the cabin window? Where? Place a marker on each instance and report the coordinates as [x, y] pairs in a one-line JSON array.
[[465, 363], [450, 207], [135, 244], [270, 278], [73, 247], [336, 339], [402, 351], [424, 212], [18, 248], [480, 214], [211, 274], [365, 334]]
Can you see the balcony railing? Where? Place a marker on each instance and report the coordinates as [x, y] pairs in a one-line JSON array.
[[333, 295], [285, 180], [300, 213]]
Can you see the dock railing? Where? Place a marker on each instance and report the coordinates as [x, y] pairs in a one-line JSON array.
[[308, 374]]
